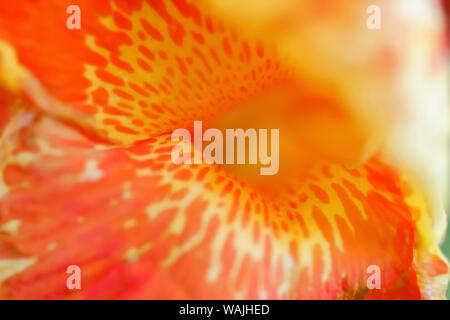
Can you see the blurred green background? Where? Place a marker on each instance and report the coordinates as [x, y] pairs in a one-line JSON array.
[[446, 244], [446, 250]]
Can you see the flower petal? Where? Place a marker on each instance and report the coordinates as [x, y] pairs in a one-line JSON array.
[[136, 68], [141, 227]]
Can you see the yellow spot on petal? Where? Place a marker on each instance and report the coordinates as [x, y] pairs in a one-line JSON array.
[[127, 194], [52, 246], [46, 149], [91, 172], [143, 172], [80, 219], [11, 227], [4, 189], [10, 267], [133, 253], [12, 74], [129, 224]]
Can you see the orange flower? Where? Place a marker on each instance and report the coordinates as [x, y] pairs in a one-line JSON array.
[[86, 176]]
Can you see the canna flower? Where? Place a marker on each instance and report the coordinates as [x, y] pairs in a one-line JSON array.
[[86, 176]]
